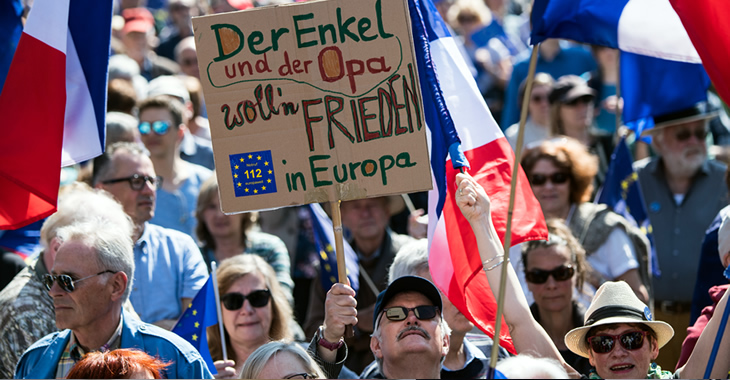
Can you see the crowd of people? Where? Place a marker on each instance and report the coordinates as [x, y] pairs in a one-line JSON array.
[[139, 228]]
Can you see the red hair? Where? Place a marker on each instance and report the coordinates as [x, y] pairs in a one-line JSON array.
[[117, 364]]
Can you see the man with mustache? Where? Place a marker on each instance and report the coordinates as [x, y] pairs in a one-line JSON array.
[[170, 269], [683, 191]]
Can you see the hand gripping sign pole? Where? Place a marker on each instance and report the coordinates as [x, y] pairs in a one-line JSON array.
[[340, 252]]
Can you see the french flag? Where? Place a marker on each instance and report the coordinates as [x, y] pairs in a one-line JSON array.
[[661, 71], [53, 104], [456, 114]]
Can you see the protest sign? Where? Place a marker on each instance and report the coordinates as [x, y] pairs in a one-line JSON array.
[[313, 102]]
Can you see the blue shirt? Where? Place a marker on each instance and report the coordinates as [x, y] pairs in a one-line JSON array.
[[176, 209], [573, 60], [168, 267], [41, 359]]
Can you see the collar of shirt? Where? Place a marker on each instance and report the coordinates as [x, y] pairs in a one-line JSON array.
[[144, 239]]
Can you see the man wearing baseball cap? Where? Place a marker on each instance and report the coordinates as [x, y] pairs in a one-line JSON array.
[[410, 337]]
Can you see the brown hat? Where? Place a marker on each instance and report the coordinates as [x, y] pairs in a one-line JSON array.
[[699, 111], [569, 88]]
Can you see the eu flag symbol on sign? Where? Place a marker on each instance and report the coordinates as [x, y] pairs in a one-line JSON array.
[[200, 314], [253, 173]]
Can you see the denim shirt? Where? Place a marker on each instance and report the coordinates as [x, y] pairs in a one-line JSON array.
[[168, 267]]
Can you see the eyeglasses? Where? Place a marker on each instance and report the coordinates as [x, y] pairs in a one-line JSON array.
[[539, 276], [604, 343], [189, 61], [539, 98], [65, 281], [685, 134], [581, 100], [257, 298], [160, 127], [137, 181], [556, 178], [302, 375], [399, 313]]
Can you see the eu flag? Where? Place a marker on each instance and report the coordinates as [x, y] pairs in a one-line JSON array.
[[621, 192], [324, 238], [200, 314]]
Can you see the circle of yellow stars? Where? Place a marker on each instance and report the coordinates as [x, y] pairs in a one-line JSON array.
[[239, 184]]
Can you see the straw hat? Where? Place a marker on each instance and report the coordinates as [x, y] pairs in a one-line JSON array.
[[700, 111], [615, 302]]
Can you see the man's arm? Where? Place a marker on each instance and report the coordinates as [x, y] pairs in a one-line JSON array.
[[698, 360]]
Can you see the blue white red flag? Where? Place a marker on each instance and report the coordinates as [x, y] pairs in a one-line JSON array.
[[455, 110], [660, 69], [324, 238], [200, 314], [706, 24], [53, 104]]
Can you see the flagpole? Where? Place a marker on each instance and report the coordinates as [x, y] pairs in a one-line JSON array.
[[619, 106], [221, 328], [340, 252], [510, 210]]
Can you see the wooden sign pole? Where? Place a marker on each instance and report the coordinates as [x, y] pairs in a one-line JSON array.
[[340, 252]]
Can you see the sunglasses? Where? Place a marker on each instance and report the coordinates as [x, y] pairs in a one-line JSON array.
[[539, 98], [685, 134], [556, 178], [399, 313], [160, 127], [65, 281], [604, 343], [302, 375], [581, 100], [137, 182], [539, 276], [257, 298]]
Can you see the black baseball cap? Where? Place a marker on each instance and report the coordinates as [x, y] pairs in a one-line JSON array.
[[407, 284]]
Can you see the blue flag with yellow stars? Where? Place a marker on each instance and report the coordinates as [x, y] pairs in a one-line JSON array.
[[253, 173], [621, 192], [324, 238], [200, 314]]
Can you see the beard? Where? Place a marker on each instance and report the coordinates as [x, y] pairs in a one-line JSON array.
[[685, 163]]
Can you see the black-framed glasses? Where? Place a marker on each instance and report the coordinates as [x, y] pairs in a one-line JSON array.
[[137, 181], [257, 298], [160, 127], [302, 375], [685, 134], [604, 343], [556, 178], [539, 276], [66, 282], [399, 313]]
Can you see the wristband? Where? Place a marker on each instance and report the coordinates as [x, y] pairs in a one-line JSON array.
[[327, 344]]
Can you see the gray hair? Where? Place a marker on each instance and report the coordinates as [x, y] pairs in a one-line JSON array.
[[112, 244], [104, 164], [79, 203], [259, 358], [410, 260], [185, 43], [524, 366], [119, 126]]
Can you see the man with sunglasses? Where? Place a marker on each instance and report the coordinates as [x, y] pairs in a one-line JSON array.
[[683, 191], [170, 268], [89, 282], [162, 129]]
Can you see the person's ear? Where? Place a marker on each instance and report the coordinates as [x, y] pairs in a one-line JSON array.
[[590, 358], [375, 347], [654, 348], [445, 345], [119, 282]]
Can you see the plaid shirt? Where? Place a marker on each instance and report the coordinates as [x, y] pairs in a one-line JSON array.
[[74, 352]]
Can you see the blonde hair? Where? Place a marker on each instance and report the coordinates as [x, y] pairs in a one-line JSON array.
[[229, 271], [259, 358]]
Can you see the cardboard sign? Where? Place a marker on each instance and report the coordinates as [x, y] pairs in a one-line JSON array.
[[313, 102]]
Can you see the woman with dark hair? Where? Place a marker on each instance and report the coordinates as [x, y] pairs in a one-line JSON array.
[[223, 236], [555, 274], [255, 311], [561, 173], [121, 363]]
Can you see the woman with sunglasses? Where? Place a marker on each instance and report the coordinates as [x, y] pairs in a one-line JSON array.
[[572, 114], [561, 173], [553, 270], [537, 126], [255, 312], [281, 360], [618, 336]]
